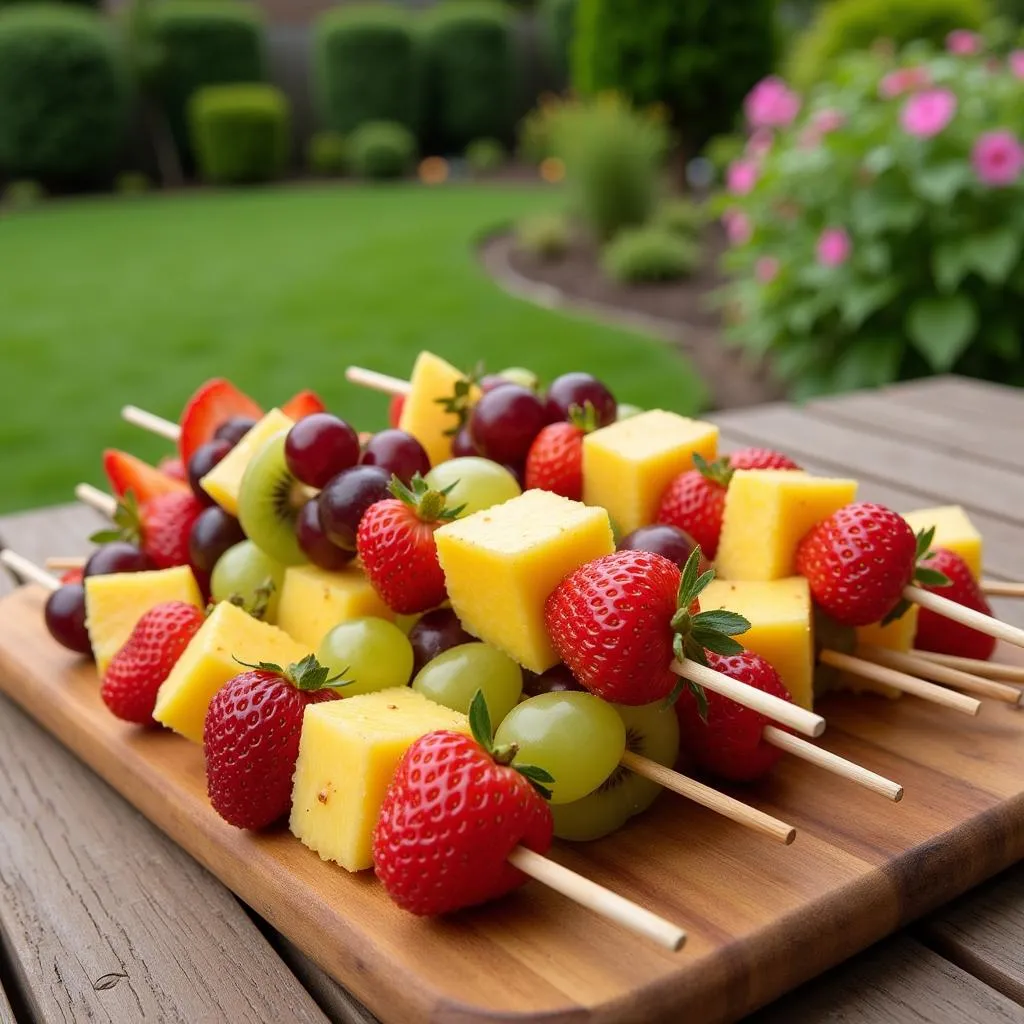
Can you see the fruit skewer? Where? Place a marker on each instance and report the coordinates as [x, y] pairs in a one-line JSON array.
[[28, 570], [150, 421], [97, 500], [1001, 588], [62, 563], [382, 382], [987, 624], [975, 666]]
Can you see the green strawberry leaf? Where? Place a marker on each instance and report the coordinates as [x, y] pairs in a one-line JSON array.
[[718, 472], [480, 722], [537, 777], [924, 543], [931, 577], [585, 418], [702, 700], [105, 536], [899, 610], [719, 643], [688, 579], [721, 621]]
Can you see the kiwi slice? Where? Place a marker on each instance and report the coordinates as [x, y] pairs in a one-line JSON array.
[[269, 501]]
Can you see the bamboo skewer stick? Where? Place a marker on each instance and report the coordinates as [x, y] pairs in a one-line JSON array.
[[65, 562], [151, 422], [710, 798], [901, 681], [988, 669], [375, 381], [597, 898], [96, 499], [965, 616], [942, 674], [832, 762], [27, 570], [1000, 588]]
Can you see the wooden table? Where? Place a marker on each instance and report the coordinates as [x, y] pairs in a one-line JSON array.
[[103, 918]]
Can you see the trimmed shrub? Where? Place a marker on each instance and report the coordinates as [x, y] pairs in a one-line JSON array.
[[845, 25], [649, 255], [132, 183], [545, 235], [471, 72], [381, 149], [366, 67], [558, 19], [64, 94], [681, 217], [327, 154], [698, 58], [239, 133], [485, 155], [20, 195], [533, 133]]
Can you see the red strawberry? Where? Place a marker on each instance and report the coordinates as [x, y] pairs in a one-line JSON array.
[[453, 813], [727, 741], [172, 466], [213, 403], [395, 541], [695, 500], [251, 739], [936, 632], [127, 473], [72, 576], [555, 461], [618, 623], [395, 407], [160, 526], [304, 404], [136, 672]]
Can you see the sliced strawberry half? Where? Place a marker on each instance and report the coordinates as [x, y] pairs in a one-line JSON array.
[[305, 403], [214, 403], [172, 466], [395, 407], [127, 473]]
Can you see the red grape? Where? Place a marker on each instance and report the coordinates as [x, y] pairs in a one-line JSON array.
[[661, 539], [462, 444], [397, 452], [555, 680], [213, 532], [117, 556], [319, 447], [314, 542], [435, 633], [490, 381], [346, 497], [234, 429], [577, 389], [65, 618], [205, 457], [505, 421]]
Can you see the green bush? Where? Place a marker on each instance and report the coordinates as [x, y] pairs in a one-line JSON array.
[[132, 183], [558, 19], [327, 154], [239, 133], [64, 94], [845, 25], [721, 150], [471, 72], [366, 67], [21, 194], [648, 255], [533, 133], [681, 217], [485, 155], [698, 58], [200, 43], [382, 149], [545, 235]]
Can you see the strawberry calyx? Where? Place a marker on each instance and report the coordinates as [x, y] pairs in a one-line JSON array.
[[428, 503], [261, 599], [307, 675], [719, 471], [924, 575], [459, 403], [480, 724], [127, 523], [583, 418]]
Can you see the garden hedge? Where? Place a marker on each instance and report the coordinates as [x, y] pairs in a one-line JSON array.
[[381, 149], [366, 68], [64, 94], [558, 18]]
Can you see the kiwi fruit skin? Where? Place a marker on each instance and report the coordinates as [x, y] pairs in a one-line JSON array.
[[269, 500], [261, 567]]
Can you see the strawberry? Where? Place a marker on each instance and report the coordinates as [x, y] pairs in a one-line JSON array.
[[555, 459], [213, 403], [160, 526], [936, 632], [251, 739], [695, 500], [127, 473], [726, 739], [172, 466], [72, 576], [453, 813], [395, 542], [395, 407], [136, 672], [304, 404], [858, 562], [619, 622]]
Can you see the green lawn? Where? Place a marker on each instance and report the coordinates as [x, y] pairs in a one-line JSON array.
[[104, 302]]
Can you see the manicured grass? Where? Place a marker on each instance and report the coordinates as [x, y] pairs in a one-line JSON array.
[[108, 301]]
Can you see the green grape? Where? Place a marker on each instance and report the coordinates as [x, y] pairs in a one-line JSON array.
[[522, 376], [626, 411], [454, 676], [479, 483], [372, 654], [406, 622], [242, 571], [576, 737]]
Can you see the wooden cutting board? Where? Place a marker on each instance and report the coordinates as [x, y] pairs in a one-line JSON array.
[[761, 918]]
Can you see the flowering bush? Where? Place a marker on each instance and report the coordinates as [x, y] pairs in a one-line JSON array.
[[878, 225]]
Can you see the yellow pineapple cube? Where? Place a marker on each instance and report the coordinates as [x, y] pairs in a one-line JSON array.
[[114, 603], [209, 662], [347, 758], [314, 601], [501, 564], [780, 626], [767, 513], [224, 481], [628, 465], [423, 415], [953, 530]]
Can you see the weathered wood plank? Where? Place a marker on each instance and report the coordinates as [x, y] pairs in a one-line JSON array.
[[341, 1007], [57, 530], [6, 1013]]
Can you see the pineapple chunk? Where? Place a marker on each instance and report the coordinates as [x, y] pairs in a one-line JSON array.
[[767, 513], [114, 603], [628, 465], [224, 481], [500, 565], [348, 755], [953, 530], [209, 662], [780, 627], [423, 416], [314, 601]]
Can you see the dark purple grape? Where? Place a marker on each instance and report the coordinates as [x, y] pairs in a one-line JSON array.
[[234, 429], [397, 452], [65, 618], [319, 447], [577, 389], [462, 444], [661, 539], [505, 421], [314, 542], [117, 556], [213, 532], [519, 472], [555, 680], [490, 381], [206, 456], [435, 633], [345, 498]]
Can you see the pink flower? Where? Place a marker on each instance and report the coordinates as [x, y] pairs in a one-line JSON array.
[[926, 113], [741, 177], [834, 247], [1016, 62], [963, 43], [828, 120], [902, 80], [998, 158], [766, 269], [760, 143], [771, 104], [737, 226]]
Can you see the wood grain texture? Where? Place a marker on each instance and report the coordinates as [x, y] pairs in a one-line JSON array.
[[58, 530], [6, 1013]]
